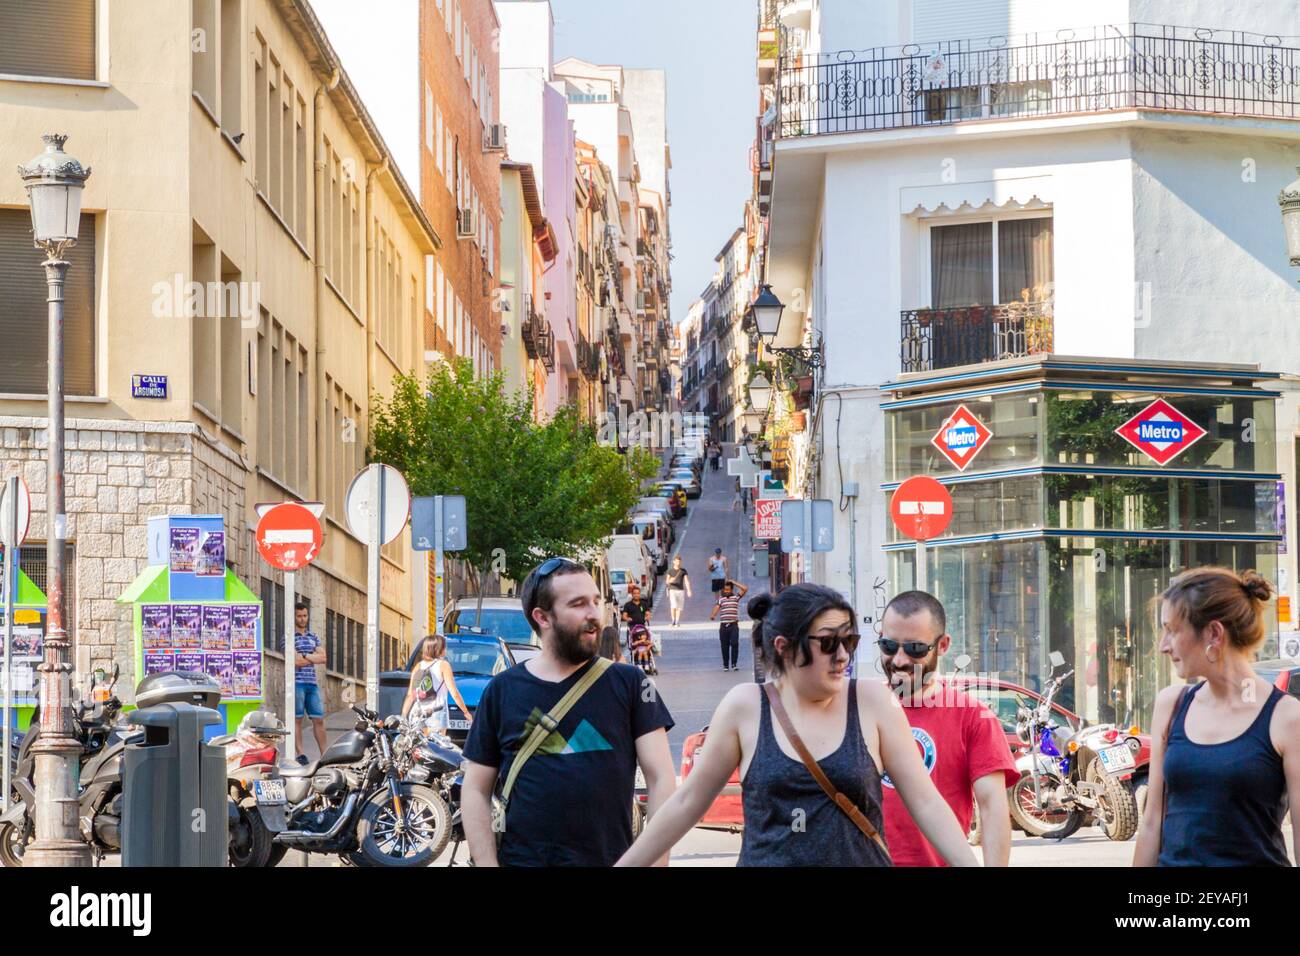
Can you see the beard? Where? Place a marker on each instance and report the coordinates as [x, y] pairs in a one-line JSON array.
[[576, 645], [910, 680]]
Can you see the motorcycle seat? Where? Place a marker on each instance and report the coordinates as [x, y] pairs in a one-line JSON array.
[[298, 770]]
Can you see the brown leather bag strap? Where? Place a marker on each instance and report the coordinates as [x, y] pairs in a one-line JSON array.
[[840, 800], [1164, 781]]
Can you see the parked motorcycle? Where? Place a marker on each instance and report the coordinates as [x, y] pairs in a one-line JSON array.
[[1067, 778], [426, 756], [257, 793], [103, 738], [353, 802]]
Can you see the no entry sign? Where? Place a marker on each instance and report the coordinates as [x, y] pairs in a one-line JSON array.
[[921, 508], [288, 535]]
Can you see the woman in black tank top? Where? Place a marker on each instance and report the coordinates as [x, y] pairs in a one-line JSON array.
[[808, 637], [1222, 771]]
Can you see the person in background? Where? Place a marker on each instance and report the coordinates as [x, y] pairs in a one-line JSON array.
[[1225, 764], [729, 629], [431, 681], [717, 570], [961, 741], [851, 728], [679, 589], [308, 652]]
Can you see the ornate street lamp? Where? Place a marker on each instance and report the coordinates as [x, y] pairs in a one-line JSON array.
[[54, 181], [1289, 200], [752, 419], [760, 393], [767, 310]]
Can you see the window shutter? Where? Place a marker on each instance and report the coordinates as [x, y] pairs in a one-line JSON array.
[[24, 323], [38, 40]]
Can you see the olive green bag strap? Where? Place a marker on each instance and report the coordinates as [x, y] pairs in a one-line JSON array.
[[551, 721]]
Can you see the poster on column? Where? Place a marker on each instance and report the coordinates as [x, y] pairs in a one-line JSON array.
[[190, 661], [216, 627], [184, 550], [210, 561], [155, 627], [158, 662], [247, 673], [221, 667], [243, 627], [187, 627]]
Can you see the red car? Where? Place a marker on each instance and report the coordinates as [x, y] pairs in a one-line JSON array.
[[1282, 674], [1001, 697]]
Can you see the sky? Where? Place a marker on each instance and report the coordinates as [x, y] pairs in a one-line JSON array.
[[707, 48]]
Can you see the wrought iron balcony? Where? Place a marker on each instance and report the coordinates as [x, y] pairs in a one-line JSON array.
[[945, 338], [539, 340], [1138, 66]]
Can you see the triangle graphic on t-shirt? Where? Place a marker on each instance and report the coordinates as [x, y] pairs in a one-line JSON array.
[[586, 739]]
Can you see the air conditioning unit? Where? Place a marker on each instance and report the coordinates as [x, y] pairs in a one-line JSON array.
[[465, 224], [494, 138]]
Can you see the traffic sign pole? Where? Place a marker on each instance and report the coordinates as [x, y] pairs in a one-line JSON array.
[[438, 591], [807, 538], [922, 572], [290, 671], [372, 586]]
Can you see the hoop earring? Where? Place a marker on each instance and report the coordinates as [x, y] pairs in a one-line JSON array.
[[1212, 660]]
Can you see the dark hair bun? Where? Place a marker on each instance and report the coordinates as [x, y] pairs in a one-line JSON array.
[[1256, 585], [759, 606]]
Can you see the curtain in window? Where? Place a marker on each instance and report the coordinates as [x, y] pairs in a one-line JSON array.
[[1024, 260], [961, 265]]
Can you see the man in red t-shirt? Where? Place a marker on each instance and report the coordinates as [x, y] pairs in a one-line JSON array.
[[961, 740]]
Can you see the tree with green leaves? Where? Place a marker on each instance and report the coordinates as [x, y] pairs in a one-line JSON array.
[[532, 490]]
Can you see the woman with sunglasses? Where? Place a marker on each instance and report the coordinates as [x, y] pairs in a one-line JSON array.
[[852, 730]]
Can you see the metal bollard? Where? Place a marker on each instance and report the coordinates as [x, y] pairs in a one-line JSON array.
[[174, 791]]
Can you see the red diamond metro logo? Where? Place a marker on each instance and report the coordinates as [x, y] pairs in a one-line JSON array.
[[961, 437], [1161, 432]]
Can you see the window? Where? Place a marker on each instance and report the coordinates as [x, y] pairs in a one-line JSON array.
[[459, 34], [231, 68], [282, 404], [440, 315], [438, 130], [987, 263], [451, 161], [464, 60], [37, 41], [429, 123], [203, 51], [23, 319], [447, 11], [474, 75]]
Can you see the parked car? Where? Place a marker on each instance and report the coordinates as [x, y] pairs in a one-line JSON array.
[[629, 552], [1282, 674], [502, 617], [475, 659], [676, 496], [690, 482], [655, 503], [726, 812], [654, 531]]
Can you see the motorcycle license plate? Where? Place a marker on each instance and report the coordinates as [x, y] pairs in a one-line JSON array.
[[269, 792], [458, 724], [1117, 759], [640, 779]]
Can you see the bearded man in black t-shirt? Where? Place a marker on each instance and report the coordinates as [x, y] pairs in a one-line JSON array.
[[572, 801]]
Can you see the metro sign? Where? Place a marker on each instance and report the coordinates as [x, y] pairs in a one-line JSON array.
[[1161, 432], [961, 437]]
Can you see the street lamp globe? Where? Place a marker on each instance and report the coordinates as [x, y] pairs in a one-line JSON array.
[[1289, 200], [767, 313], [760, 393], [752, 419], [54, 181]]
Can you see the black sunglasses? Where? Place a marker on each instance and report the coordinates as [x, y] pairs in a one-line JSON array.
[[544, 571], [829, 642], [913, 649]]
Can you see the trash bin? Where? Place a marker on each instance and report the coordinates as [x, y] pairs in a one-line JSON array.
[[174, 790]]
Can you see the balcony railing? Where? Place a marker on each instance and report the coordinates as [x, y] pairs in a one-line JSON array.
[[1139, 66], [539, 340], [945, 338]]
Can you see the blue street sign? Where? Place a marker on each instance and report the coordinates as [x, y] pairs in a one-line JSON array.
[[424, 523], [148, 386]]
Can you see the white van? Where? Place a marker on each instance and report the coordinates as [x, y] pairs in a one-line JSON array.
[[629, 551], [654, 529]]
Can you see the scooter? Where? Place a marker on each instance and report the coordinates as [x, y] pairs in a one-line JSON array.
[[257, 805], [1068, 777]]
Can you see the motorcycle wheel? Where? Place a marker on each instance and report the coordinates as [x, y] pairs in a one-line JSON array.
[[250, 841], [13, 843], [1117, 810], [378, 843], [1053, 824]]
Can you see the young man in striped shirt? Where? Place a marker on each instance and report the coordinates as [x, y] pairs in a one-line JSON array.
[[729, 628]]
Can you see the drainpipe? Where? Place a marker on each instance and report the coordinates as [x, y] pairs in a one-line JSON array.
[[322, 419], [371, 278]]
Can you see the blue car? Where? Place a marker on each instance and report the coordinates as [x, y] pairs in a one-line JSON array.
[[475, 659]]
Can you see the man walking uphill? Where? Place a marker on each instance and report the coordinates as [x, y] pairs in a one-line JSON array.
[[560, 736]]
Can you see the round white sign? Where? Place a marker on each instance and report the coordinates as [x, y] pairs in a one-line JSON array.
[[394, 493], [13, 535]]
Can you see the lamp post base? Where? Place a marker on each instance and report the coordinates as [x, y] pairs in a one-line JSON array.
[[56, 811], [57, 853]]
